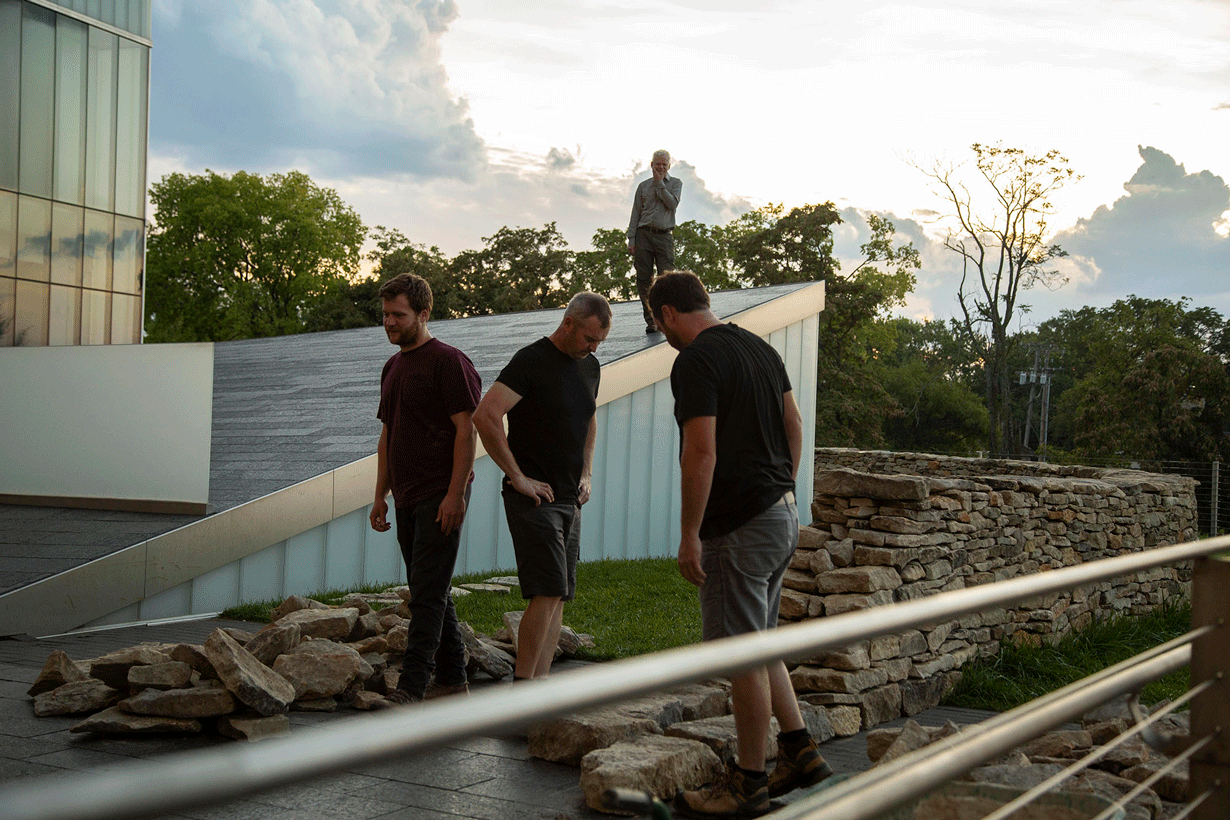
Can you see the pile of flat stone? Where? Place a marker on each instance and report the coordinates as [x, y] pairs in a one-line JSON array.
[[679, 739], [1115, 774], [311, 657]]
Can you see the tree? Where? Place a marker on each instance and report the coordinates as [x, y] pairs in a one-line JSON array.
[[1001, 241], [772, 248], [395, 254], [852, 405], [606, 268], [1150, 380], [519, 269], [243, 256], [705, 250]]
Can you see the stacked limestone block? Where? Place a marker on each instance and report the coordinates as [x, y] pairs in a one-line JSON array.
[[878, 539]]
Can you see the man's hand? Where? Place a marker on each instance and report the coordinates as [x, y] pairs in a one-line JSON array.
[[540, 491], [659, 171], [379, 510], [689, 560], [584, 489], [631, 249], [451, 513]]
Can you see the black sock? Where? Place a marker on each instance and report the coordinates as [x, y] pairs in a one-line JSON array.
[[753, 775], [792, 738]]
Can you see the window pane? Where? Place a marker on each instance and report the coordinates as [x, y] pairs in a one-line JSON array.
[[96, 254], [10, 91], [70, 110], [32, 313], [65, 325], [127, 245], [124, 319], [8, 290], [100, 121], [33, 238], [38, 51], [95, 317], [8, 234], [130, 129], [67, 242]]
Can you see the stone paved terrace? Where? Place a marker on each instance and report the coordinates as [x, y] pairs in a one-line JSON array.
[[487, 778], [289, 408]]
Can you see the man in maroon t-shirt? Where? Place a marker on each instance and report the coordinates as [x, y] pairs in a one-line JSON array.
[[425, 457]]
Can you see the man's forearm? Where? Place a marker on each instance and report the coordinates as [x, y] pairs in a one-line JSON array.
[[463, 459], [794, 430], [383, 482], [495, 442]]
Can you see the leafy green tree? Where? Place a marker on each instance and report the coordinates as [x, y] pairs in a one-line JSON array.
[[852, 405], [243, 256], [395, 254], [769, 247], [1000, 235], [929, 378], [705, 250], [1149, 380], [606, 268], [518, 269]]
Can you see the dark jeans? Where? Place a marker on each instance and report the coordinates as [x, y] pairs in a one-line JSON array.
[[652, 249], [435, 642]]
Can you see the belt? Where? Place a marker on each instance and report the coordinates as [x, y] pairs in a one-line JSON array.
[[788, 498], [652, 229]]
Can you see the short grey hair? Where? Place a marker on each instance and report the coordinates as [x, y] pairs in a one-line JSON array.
[[663, 153], [586, 304]]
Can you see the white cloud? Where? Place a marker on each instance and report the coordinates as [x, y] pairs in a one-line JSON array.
[[345, 87]]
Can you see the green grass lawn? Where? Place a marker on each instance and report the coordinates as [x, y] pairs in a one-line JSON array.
[[639, 606]]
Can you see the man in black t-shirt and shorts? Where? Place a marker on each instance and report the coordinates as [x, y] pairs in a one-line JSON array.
[[428, 392], [741, 440], [548, 391]]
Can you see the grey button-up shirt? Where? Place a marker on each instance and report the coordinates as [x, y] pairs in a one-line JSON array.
[[654, 205]]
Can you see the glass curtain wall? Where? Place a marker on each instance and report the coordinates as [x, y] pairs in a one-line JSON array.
[[74, 100]]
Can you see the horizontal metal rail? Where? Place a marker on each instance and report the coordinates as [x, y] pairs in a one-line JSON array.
[[209, 776]]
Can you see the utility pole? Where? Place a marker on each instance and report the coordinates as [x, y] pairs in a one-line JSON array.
[[1039, 375]]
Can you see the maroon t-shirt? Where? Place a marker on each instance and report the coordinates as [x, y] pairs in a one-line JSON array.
[[420, 391]]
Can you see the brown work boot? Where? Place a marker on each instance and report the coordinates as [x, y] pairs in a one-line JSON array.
[[798, 765], [395, 699], [733, 795], [440, 690]]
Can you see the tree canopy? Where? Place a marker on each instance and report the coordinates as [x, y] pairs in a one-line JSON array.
[[244, 256]]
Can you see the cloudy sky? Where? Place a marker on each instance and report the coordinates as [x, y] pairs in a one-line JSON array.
[[448, 119]]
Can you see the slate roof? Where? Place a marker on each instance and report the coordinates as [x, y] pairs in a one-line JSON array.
[[288, 408]]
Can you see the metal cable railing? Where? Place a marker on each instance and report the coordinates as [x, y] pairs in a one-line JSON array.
[[214, 775]]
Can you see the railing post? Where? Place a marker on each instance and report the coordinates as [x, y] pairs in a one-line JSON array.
[[1210, 767], [1214, 530]]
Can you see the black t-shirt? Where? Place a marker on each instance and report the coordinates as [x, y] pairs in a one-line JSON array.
[[548, 426], [420, 391], [735, 376]]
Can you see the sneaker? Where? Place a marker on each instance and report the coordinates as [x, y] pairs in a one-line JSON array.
[[396, 699], [734, 795], [798, 765], [440, 690]]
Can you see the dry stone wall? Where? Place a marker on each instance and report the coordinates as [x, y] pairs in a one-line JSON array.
[[891, 527]]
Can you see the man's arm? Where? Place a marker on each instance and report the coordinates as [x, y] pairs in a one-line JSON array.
[[489, 421], [698, 456], [380, 507], [453, 508], [635, 219], [669, 191], [794, 429], [587, 471]]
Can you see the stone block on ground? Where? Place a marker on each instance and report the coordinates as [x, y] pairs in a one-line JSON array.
[[209, 699], [273, 641], [700, 700], [318, 669], [659, 765], [718, 733], [329, 624], [248, 679], [293, 604], [846, 721], [115, 721], [253, 727], [568, 739], [112, 668], [57, 671], [169, 675], [484, 658], [77, 697]]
